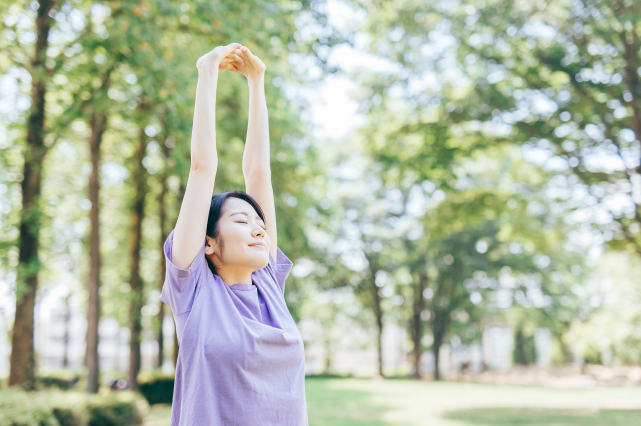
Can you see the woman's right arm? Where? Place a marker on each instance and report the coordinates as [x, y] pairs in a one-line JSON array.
[[191, 226]]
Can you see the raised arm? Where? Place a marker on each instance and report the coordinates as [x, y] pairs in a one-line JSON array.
[[191, 226], [256, 163]]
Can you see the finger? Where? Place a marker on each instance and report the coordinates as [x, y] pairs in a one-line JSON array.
[[235, 59], [240, 54], [225, 64], [246, 51]]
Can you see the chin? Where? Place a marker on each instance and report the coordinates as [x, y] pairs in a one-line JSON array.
[[261, 259], [260, 264]]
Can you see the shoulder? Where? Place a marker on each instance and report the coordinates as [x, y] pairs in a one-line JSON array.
[[276, 270]]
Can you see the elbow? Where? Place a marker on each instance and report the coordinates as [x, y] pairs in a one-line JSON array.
[[199, 167]]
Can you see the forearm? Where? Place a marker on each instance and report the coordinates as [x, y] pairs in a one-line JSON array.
[[256, 154], [203, 135]]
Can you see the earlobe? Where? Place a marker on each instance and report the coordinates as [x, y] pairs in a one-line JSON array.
[[209, 248]]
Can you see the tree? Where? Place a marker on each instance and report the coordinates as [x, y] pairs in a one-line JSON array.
[[137, 213], [583, 63], [558, 78], [100, 75], [22, 355]]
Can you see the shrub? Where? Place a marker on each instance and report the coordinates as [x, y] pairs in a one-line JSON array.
[[56, 382], [19, 408], [54, 408], [159, 390], [113, 412], [67, 417]]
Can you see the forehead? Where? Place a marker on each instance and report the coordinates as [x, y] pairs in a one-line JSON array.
[[236, 206]]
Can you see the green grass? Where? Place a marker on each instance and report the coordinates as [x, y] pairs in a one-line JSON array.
[[546, 416], [359, 402], [342, 407], [159, 415]]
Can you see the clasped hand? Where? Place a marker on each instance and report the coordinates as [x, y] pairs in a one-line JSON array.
[[234, 57]]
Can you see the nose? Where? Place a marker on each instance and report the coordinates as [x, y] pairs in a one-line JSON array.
[[259, 232]]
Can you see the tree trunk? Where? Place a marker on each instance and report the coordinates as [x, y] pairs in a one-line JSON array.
[[139, 176], [161, 338], [162, 216], [65, 338], [520, 356], [163, 236], [98, 124], [22, 360], [417, 323], [436, 348], [440, 323], [565, 351], [328, 355], [378, 313]]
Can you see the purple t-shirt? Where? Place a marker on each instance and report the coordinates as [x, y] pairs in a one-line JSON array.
[[241, 359]]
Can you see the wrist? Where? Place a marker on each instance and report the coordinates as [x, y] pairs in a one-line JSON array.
[[207, 69], [256, 81]]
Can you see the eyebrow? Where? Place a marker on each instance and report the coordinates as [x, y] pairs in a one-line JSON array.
[[257, 217]]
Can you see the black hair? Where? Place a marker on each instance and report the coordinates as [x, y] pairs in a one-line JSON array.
[[215, 213]]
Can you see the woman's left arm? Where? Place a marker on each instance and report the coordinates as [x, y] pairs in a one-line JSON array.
[[256, 156]]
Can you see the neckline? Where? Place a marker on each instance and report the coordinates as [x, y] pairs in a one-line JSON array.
[[268, 303], [243, 287]]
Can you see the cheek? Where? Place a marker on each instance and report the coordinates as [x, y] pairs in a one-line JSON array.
[[236, 231]]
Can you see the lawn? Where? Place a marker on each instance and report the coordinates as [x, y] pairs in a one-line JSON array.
[[354, 402]]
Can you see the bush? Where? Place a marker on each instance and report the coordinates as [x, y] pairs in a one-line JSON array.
[[159, 390], [113, 412], [22, 409], [52, 408], [56, 382]]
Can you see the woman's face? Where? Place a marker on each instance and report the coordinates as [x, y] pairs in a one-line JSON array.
[[245, 242]]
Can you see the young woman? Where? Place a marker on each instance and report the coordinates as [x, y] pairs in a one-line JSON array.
[[241, 358]]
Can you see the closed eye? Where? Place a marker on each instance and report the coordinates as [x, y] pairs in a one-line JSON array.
[[242, 221]]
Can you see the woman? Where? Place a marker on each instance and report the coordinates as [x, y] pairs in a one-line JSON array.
[[241, 358]]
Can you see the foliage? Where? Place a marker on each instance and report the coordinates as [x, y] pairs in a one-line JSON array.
[[557, 78], [61, 382], [612, 334], [136, 67], [159, 390], [49, 408]]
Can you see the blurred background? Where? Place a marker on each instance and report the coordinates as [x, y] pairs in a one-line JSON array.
[[457, 184]]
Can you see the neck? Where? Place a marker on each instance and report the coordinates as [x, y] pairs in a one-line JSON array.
[[233, 276]]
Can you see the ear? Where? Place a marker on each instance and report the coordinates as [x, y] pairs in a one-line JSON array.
[[210, 245]]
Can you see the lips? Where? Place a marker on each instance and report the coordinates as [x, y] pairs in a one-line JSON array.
[[261, 245]]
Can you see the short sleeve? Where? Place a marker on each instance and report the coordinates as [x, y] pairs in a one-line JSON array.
[[181, 285], [281, 266]]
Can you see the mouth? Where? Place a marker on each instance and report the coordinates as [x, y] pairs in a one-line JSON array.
[[259, 245]]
